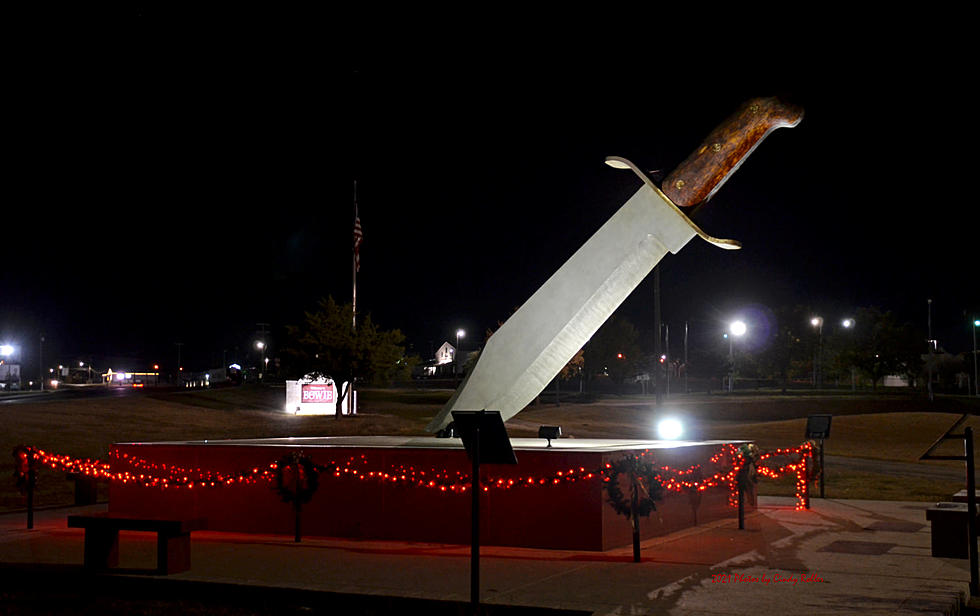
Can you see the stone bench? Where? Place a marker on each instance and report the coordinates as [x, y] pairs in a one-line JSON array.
[[102, 539], [961, 496], [950, 534]]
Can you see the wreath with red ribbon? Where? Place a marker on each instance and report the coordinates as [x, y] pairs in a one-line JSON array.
[[748, 475], [297, 478], [24, 475], [643, 477]]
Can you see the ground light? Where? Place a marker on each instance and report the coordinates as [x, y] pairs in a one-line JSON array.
[[670, 428]]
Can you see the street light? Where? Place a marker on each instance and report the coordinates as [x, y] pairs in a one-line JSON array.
[[261, 346], [817, 322], [737, 329], [459, 334], [6, 350], [848, 324]]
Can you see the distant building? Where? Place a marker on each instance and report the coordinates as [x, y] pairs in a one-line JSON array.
[[446, 354], [439, 366], [9, 376], [130, 379]]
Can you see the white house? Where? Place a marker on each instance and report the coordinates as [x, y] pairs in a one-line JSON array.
[[446, 354]]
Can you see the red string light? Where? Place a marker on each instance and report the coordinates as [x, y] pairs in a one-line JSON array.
[[147, 473]]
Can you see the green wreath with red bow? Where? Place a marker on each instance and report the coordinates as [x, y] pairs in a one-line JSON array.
[[297, 478], [25, 476], [747, 475], [643, 479]]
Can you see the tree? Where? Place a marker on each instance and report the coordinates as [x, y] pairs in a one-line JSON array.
[[883, 346], [614, 350], [326, 344], [574, 367], [786, 354]]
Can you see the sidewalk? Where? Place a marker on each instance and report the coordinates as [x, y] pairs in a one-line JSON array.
[[840, 557]]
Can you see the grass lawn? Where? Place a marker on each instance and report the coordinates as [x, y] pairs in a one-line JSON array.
[[883, 427]]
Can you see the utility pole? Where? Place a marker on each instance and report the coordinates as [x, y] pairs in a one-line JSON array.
[[687, 388], [263, 344], [976, 386], [179, 344], [929, 326], [40, 361], [657, 347]]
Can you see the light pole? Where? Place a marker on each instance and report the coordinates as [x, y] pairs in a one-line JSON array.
[[687, 388], [976, 386], [179, 367], [459, 335], [848, 323], [817, 322], [736, 329], [929, 327], [261, 347]]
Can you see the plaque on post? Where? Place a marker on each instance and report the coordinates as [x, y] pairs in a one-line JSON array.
[[818, 428], [486, 441]]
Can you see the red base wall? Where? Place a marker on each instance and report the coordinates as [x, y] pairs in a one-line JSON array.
[[570, 515]]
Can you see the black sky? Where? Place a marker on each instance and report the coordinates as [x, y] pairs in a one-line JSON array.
[[166, 186]]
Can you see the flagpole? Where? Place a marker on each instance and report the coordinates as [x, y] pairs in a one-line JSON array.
[[356, 234], [356, 266]]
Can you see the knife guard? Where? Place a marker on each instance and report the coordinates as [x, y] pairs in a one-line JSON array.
[[696, 179]]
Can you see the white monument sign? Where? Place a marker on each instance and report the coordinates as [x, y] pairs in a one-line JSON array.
[[317, 396]]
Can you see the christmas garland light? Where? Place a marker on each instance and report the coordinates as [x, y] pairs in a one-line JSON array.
[[146, 473]]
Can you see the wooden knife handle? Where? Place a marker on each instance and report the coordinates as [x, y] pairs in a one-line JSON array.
[[696, 179]]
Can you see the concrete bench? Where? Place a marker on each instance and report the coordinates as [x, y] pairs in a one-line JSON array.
[[961, 496], [950, 534], [102, 539]]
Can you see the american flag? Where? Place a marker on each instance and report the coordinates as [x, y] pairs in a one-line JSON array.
[[358, 236]]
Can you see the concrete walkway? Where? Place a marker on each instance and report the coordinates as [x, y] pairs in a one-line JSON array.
[[840, 557]]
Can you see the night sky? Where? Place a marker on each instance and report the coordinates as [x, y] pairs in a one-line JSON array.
[[166, 188]]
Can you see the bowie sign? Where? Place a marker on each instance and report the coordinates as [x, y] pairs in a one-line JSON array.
[[311, 396], [318, 393]]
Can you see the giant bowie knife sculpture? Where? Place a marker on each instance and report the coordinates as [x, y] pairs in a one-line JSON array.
[[528, 351]]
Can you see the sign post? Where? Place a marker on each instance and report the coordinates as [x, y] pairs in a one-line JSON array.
[[486, 442], [818, 428]]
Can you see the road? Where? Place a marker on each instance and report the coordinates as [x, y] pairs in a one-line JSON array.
[[68, 393], [923, 470]]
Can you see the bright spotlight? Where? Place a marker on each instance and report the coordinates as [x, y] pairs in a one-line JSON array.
[[670, 429], [739, 328], [6, 349]]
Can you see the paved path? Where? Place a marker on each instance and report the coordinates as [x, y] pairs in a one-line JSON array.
[[841, 557]]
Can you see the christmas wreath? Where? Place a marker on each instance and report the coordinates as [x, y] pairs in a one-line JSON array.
[[644, 480], [24, 475], [297, 478], [747, 474]]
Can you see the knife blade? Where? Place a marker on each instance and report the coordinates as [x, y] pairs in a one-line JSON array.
[[522, 357]]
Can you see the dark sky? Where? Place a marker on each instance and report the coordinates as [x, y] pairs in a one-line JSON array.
[[168, 187]]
